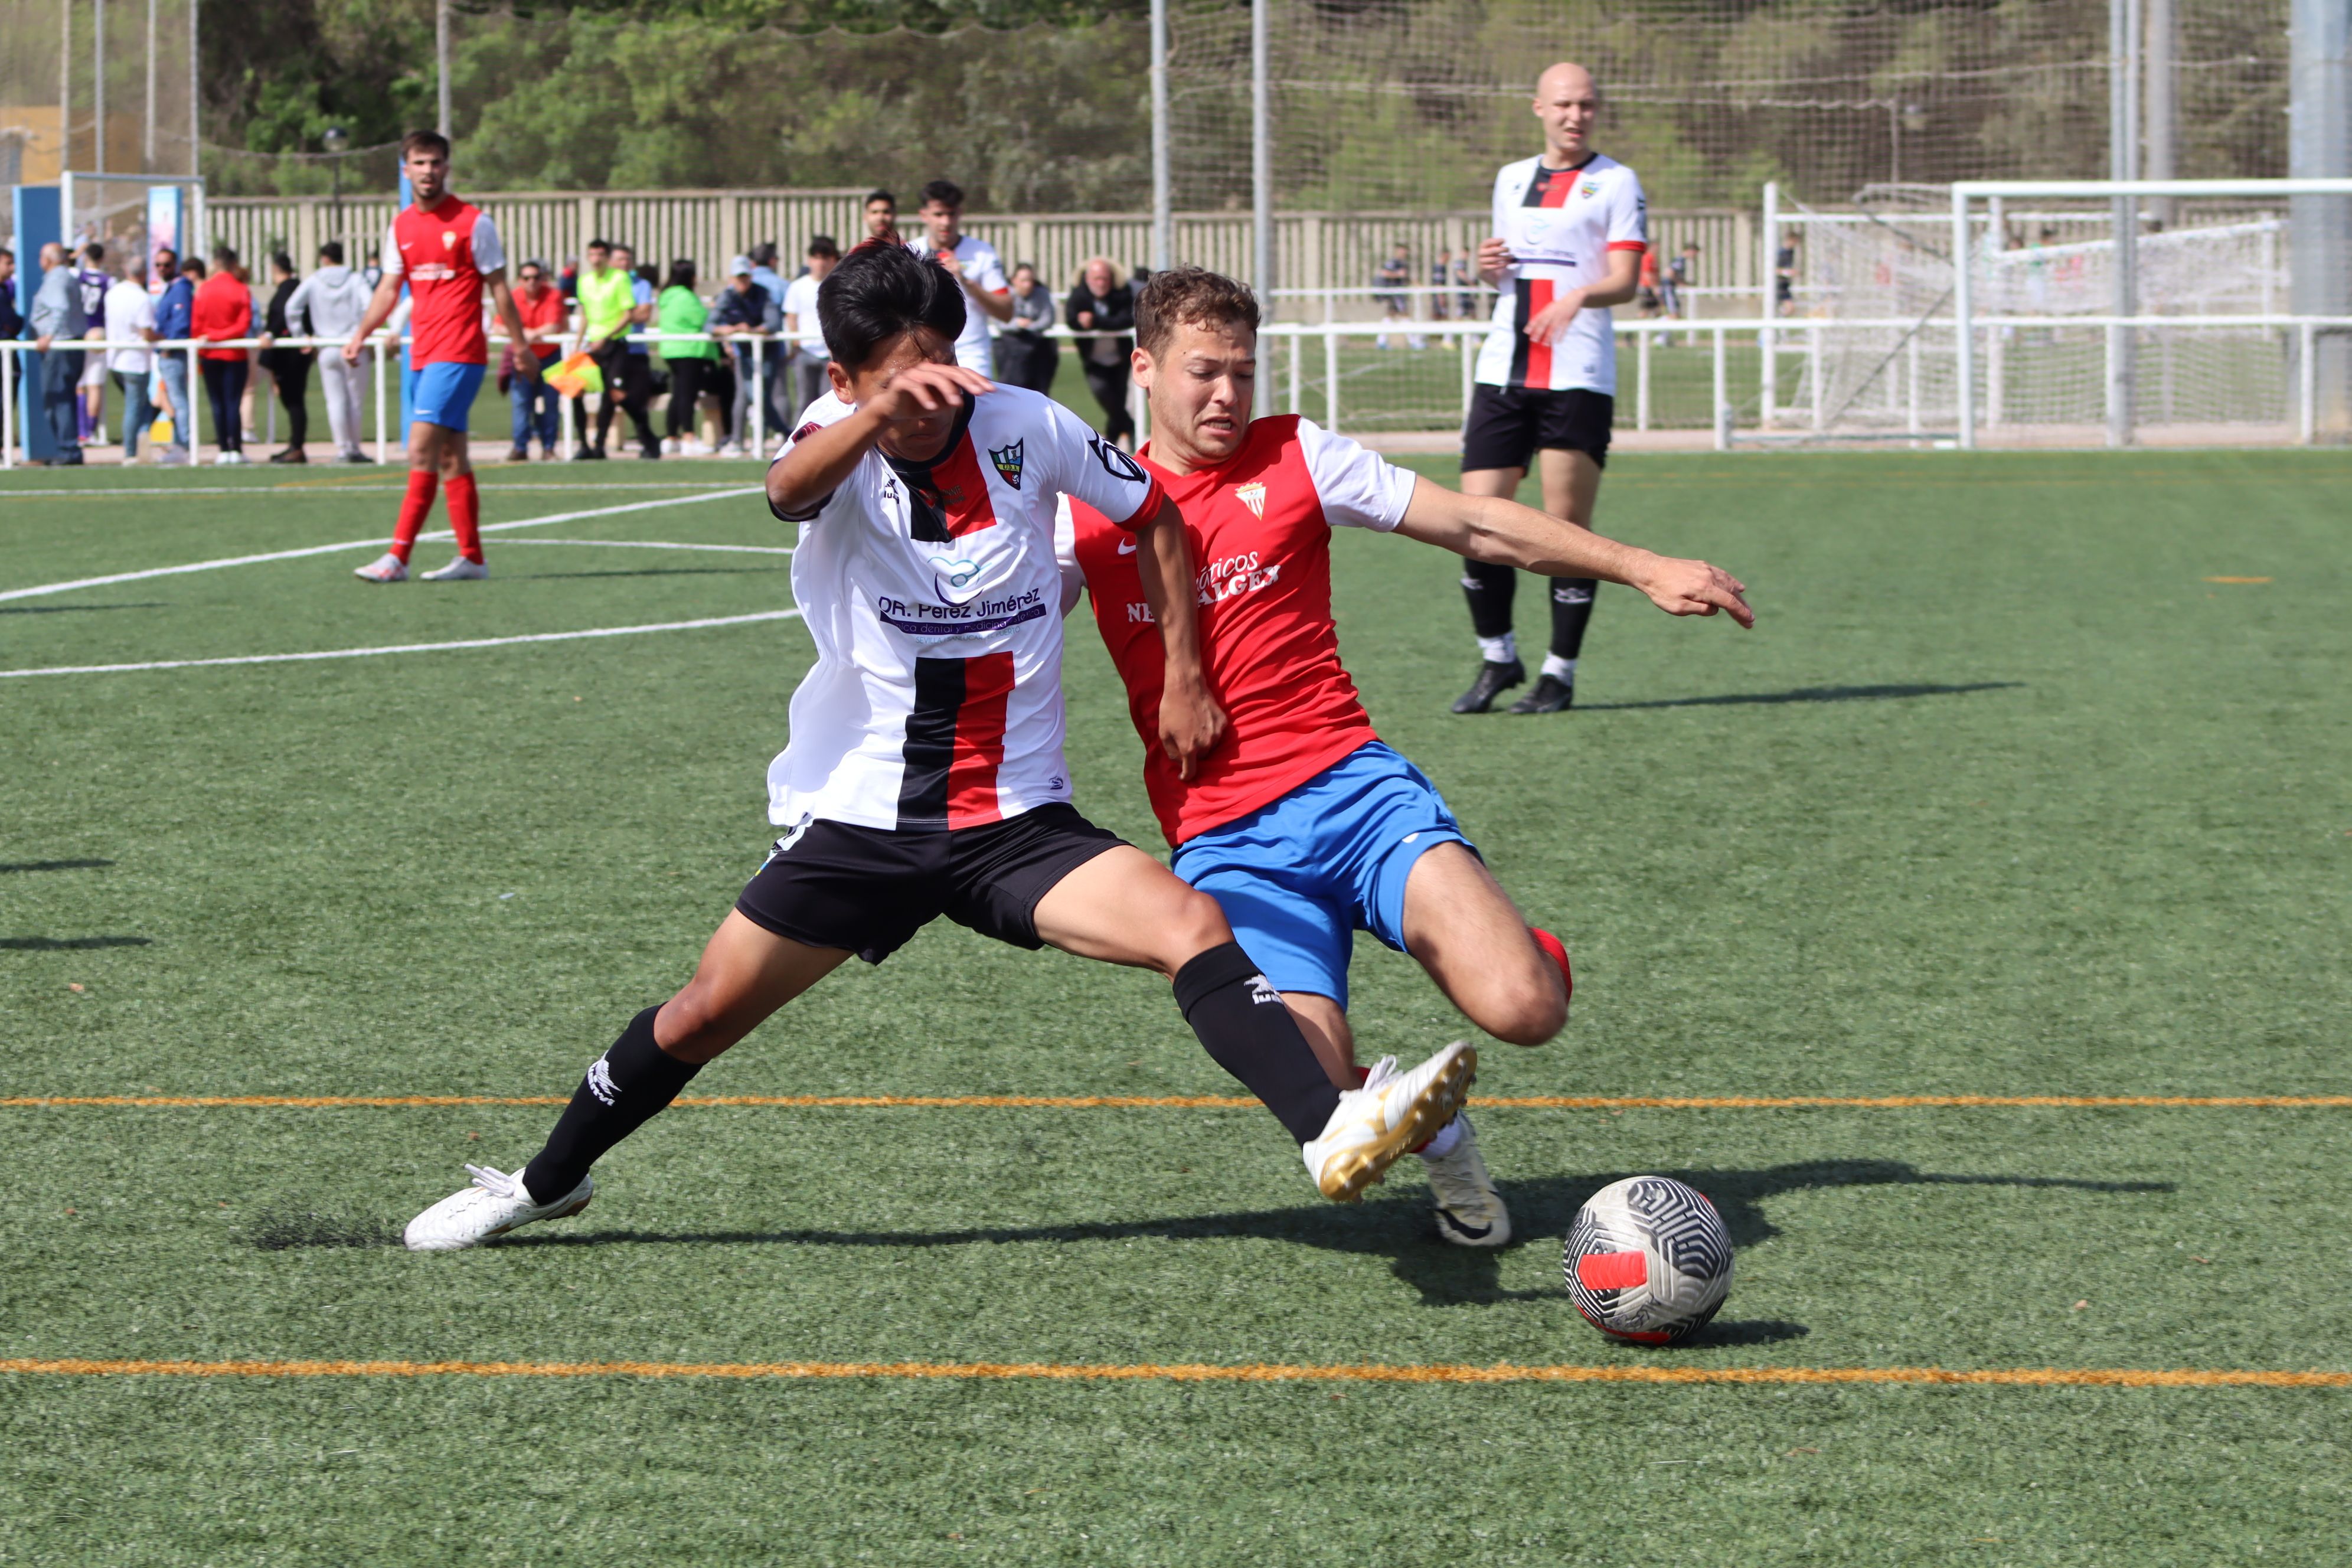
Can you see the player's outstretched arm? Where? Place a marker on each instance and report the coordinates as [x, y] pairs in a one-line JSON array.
[[816, 465], [381, 305], [1501, 531], [1190, 723]]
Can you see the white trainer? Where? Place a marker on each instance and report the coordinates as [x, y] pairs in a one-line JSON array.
[[386, 568], [459, 570], [1392, 1113], [492, 1206], [1470, 1212]]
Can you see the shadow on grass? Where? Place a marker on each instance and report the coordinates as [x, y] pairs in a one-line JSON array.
[[68, 943], [1805, 694], [1397, 1227], [7, 867]]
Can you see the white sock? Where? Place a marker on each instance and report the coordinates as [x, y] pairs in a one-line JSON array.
[[1561, 669], [1499, 650], [1441, 1144]]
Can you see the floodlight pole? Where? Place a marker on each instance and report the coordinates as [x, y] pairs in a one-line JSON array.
[[147, 138], [1163, 213], [2319, 146], [1963, 319], [65, 89], [196, 59], [97, 82], [441, 62], [1261, 160], [2124, 35]]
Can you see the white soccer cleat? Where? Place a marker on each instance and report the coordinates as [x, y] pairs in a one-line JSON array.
[[494, 1204], [1392, 1113], [459, 570], [385, 568], [1470, 1212]]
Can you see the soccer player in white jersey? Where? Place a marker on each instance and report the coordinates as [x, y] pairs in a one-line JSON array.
[[925, 774], [975, 264], [1570, 230], [1303, 825]]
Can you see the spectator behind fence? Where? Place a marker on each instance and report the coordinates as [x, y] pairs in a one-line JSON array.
[[58, 318], [224, 313], [130, 319], [763, 270], [881, 211], [95, 280], [12, 321], [679, 309], [1025, 356], [174, 313], [288, 367], [332, 300], [536, 404], [1101, 309], [1441, 275], [742, 310], [808, 359]]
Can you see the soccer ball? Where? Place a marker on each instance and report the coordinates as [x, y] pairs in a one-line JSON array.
[[1648, 1261]]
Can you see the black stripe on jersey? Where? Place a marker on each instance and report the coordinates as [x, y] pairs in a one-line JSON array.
[[927, 518], [1537, 184], [1524, 290], [930, 742]]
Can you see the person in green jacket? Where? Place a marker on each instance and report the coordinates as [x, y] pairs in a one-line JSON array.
[[693, 367]]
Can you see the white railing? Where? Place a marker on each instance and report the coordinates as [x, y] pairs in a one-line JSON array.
[[1293, 346]]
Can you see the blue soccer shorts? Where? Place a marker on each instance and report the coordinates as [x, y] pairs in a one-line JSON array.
[[443, 393], [1298, 877]]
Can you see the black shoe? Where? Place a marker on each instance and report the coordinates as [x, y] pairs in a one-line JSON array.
[[1494, 679], [1551, 695], [588, 455]]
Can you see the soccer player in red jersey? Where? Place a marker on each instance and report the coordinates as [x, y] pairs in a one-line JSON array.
[[448, 251], [1301, 824]]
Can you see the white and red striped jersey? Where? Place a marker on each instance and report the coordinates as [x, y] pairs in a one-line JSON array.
[[1560, 225], [934, 598]]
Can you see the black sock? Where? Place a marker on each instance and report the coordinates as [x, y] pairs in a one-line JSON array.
[[1490, 588], [624, 1089], [1571, 611], [1243, 1025]]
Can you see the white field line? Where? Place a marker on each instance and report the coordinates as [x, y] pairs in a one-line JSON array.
[[406, 647], [660, 545], [370, 541], [331, 488]]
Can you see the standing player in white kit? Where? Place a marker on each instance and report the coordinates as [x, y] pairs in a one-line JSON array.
[[1570, 226]]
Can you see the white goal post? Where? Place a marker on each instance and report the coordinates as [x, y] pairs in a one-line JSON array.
[[2123, 318]]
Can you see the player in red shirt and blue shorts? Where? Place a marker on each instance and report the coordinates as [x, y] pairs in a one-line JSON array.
[[448, 252], [1301, 824]]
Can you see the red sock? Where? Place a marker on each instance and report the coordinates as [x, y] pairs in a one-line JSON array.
[[422, 483], [466, 516], [1557, 950]]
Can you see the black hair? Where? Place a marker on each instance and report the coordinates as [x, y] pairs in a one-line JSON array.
[[605, 245], [94, 252], [947, 193], [648, 271], [423, 141], [284, 263], [880, 292], [681, 274], [223, 256], [873, 196], [824, 245], [192, 266], [332, 253]]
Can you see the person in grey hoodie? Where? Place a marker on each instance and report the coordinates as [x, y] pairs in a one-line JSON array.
[[336, 298], [58, 318]]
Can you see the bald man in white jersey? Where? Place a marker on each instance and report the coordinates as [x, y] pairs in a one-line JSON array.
[[1570, 227]]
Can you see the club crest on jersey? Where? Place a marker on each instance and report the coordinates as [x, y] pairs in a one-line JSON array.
[[1115, 463], [1253, 496], [1590, 188], [448, 239], [1008, 462]]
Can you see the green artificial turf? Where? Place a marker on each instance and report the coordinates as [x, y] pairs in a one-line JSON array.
[[2004, 797]]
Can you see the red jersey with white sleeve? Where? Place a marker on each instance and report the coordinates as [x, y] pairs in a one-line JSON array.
[[932, 593], [444, 253], [1260, 525], [1560, 225]]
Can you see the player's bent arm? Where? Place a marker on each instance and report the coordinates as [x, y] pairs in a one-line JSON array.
[[1624, 282], [1190, 723], [1504, 534], [997, 303], [819, 462], [381, 305], [509, 314]]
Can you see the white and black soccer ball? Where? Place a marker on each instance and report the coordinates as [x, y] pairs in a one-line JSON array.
[[1649, 1259]]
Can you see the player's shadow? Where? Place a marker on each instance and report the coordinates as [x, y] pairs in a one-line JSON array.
[[12, 865], [70, 943], [1398, 1228], [1806, 694]]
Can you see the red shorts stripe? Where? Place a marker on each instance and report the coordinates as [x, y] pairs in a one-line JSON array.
[[979, 740]]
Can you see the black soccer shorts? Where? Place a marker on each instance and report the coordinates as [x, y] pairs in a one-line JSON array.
[[1508, 425], [870, 889]]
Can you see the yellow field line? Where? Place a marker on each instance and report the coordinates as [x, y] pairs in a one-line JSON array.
[[2029, 1377], [1230, 1102]]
